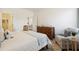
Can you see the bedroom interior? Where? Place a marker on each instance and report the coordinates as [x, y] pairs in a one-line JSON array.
[[39, 29]]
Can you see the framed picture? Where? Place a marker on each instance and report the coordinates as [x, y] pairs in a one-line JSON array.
[[5, 24]]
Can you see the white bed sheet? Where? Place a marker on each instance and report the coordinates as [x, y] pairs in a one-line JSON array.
[[22, 41]]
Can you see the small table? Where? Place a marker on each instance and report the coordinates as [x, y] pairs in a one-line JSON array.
[[65, 42]]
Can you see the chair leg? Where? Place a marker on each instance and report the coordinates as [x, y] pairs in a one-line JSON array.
[[74, 45]]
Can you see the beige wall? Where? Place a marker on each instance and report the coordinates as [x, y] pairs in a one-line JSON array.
[[19, 17], [60, 18]]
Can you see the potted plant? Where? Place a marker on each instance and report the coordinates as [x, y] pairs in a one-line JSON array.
[[73, 34]]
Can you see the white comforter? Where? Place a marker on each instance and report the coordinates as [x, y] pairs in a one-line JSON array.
[[41, 38], [25, 41]]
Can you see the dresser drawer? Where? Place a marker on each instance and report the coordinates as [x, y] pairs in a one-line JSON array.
[[49, 31]]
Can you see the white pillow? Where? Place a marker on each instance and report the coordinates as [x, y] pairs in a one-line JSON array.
[[1, 36], [1, 29]]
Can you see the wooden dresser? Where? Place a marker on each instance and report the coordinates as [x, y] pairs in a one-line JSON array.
[[49, 31]]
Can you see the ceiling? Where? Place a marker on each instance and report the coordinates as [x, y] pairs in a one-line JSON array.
[[34, 9], [37, 9]]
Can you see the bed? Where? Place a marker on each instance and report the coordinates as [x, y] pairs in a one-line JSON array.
[[25, 41]]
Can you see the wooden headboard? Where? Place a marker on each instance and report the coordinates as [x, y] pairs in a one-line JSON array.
[[49, 31]]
